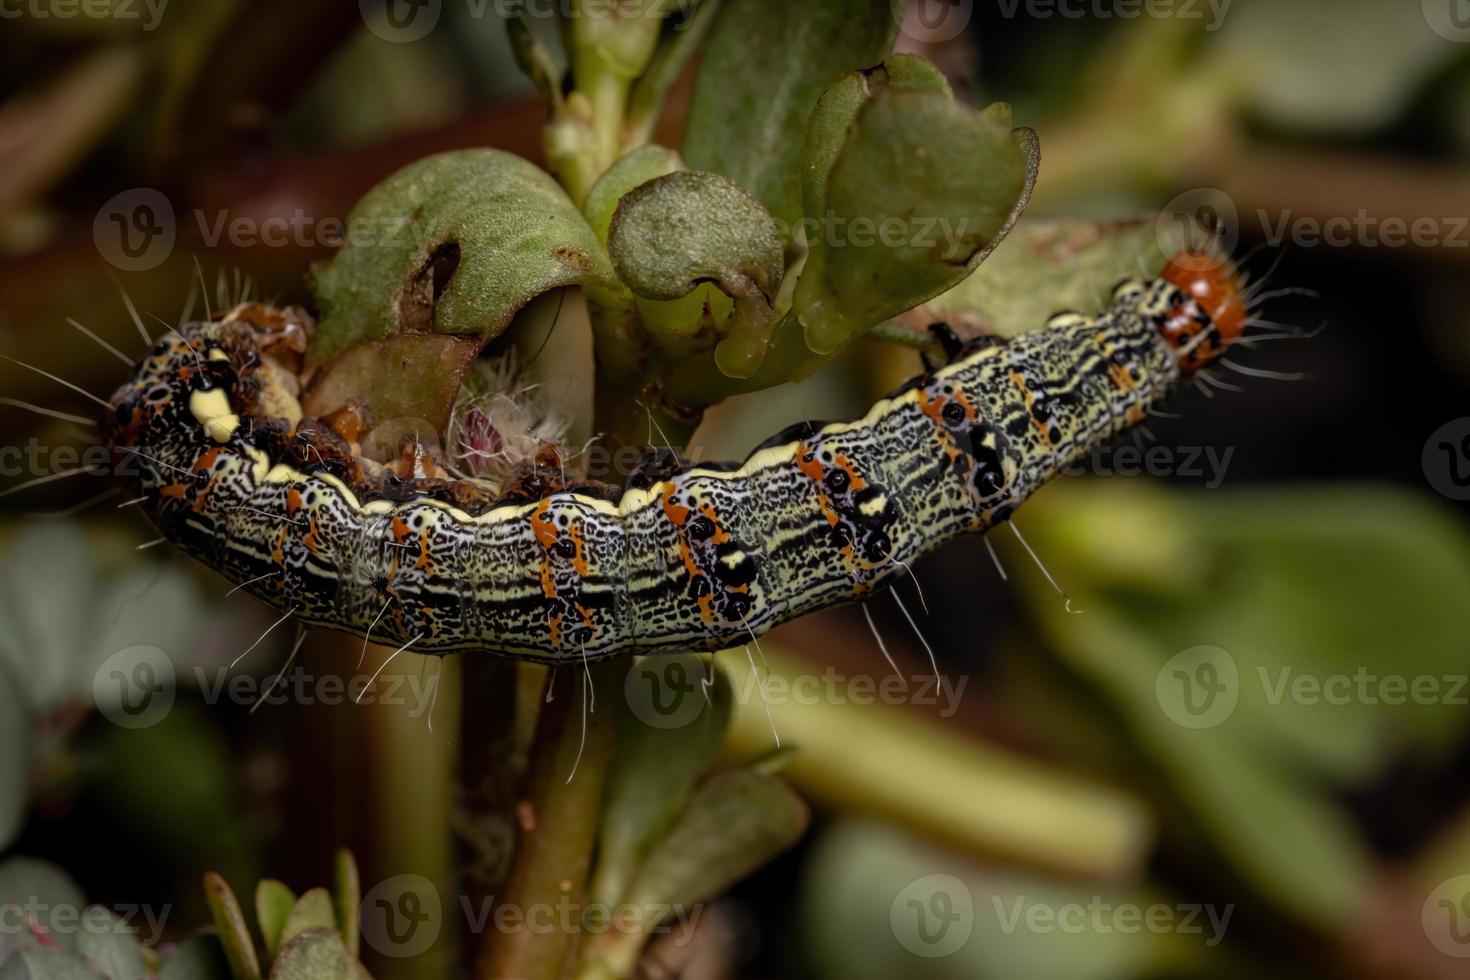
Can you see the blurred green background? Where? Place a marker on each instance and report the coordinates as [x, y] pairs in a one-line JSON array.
[[1248, 754]]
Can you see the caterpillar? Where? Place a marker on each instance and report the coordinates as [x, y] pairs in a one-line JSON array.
[[681, 557]]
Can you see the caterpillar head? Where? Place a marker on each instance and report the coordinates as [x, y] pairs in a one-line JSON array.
[[1213, 312]]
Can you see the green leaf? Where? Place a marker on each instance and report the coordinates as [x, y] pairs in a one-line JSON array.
[[831, 121], [1357, 77], [15, 758], [667, 736], [41, 890], [113, 952], [347, 894], [229, 924], [1047, 266], [917, 197], [455, 243], [273, 905], [317, 954], [197, 958], [674, 232], [761, 73], [651, 91], [533, 58], [638, 167], [312, 911], [45, 963], [734, 823]]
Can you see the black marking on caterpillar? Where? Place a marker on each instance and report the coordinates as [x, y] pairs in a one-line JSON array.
[[683, 557]]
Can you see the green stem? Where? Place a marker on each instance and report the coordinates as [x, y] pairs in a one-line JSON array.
[[560, 814]]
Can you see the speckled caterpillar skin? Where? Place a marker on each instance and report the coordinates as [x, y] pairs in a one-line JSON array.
[[706, 559]]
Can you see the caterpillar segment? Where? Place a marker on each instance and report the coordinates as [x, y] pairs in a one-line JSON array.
[[683, 557]]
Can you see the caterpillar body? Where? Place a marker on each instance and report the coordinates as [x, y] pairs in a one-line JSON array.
[[682, 558]]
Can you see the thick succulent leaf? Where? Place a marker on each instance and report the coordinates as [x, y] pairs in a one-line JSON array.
[[229, 924], [46, 963], [273, 904], [455, 243], [1357, 77], [312, 911], [677, 231], [667, 735], [762, 71], [919, 193], [638, 167], [197, 958], [734, 823], [112, 952], [832, 119], [317, 954], [15, 757], [39, 889], [347, 896], [1048, 266]]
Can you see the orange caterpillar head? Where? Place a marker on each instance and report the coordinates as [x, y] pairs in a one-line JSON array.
[[1214, 315]]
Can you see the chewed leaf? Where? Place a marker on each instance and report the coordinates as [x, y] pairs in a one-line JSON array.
[[677, 231], [921, 190], [454, 244], [766, 64], [831, 122]]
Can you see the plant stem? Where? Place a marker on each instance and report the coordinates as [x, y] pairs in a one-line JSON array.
[[560, 814]]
